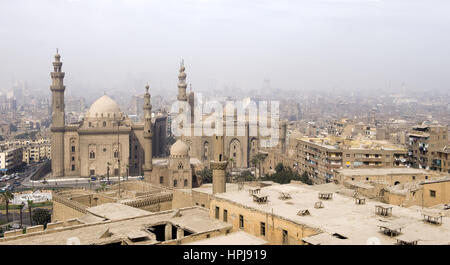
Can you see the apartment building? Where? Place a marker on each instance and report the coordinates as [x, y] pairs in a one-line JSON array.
[[441, 162], [36, 152], [320, 157], [424, 143], [10, 159]]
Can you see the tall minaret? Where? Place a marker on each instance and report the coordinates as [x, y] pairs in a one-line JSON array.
[[58, 121], [182, 83], [148, 164], [218, 166]]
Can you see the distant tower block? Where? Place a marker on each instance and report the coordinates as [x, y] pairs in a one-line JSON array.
[[218, 166], [148, 134], [283, 136], [58, 122]]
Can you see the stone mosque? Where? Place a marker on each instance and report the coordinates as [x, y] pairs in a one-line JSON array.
[[106, 142]]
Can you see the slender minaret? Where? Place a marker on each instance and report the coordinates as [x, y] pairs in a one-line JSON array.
[[182, 83], [58, 121], [148, 164], [218, 166]]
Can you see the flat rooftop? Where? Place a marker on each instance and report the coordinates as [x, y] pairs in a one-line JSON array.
[[335, 143], [380, 171], [193, 219], [116, 211], [236, 238], [340, 215]]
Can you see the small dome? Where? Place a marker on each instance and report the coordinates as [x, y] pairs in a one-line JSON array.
[[104, 105], [179, 148]]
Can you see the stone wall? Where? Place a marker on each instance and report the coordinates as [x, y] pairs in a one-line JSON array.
[[274, 224]]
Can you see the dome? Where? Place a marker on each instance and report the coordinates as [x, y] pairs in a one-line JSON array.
[[104, 105], [179, 148]]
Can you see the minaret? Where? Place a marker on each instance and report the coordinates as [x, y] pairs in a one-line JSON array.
[[218, 166], [58, 121], [148, 164], [182, 83]]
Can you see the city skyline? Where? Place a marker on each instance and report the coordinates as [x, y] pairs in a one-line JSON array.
[[305, 45]]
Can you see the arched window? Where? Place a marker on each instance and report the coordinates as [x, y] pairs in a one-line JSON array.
[[161, 180], [116, 154], [174, 182], [185, 182], [92, 155], [104, 124], [180, 165], [397, 182]]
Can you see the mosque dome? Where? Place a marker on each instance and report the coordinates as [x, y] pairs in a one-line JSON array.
[[179, 148], [104, 106]]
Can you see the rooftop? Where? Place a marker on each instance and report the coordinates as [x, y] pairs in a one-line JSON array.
[[193, 219], [341, 216], [236, 238], [380, 171], [353, 144]]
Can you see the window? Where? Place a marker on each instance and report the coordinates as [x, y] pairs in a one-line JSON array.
[[367, 178], [116, 154], [161, 180], [116, 172], [175, 182], [432, 193], [241, 221], [413, 177], [73, 158], [426, 177], [73, 148], [263, 229], [91, 155], [180, 165], [92, 172], [217, 212], [225, 215], [285, 237], [73, 167], [104, 124], [185, 182]]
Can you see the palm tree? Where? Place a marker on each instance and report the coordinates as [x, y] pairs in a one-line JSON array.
[[256, 160], [20, 213], [7, 197], [30, 206]]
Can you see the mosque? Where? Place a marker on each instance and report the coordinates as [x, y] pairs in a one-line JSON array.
[[107, 143]]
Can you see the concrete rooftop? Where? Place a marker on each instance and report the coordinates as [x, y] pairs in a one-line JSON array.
[[358, 223]]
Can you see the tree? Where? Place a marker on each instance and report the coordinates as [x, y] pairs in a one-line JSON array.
[[285, 174], [305, 179], [42, 216], [30, 207], [246, 176], [20, 213], [206, 175], [256, 161], [7, 197]]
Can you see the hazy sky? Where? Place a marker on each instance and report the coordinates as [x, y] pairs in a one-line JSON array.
[[301, 44]]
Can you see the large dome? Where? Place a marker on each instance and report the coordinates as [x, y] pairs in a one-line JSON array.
[[104, 105], [179, 148]]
